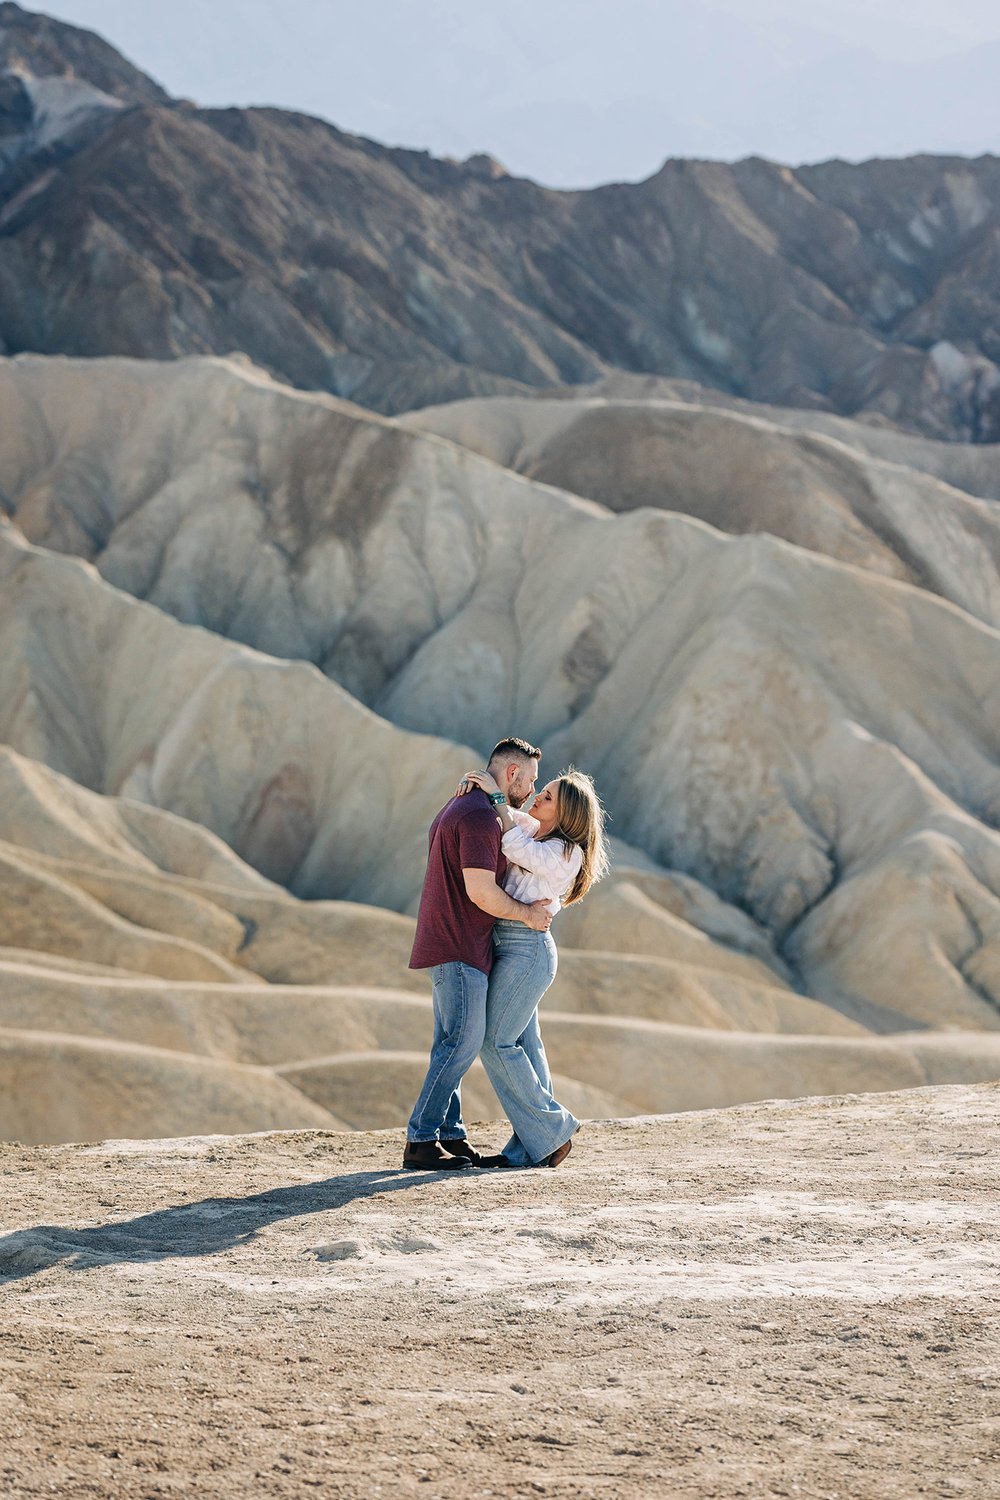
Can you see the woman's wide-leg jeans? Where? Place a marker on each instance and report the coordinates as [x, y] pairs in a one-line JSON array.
[[524, 965]]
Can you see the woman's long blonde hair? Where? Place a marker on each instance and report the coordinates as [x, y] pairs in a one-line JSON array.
[[581, 821]]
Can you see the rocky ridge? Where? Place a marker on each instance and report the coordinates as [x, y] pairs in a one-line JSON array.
[[150, 980], [400, 280], [747, 474], [811, 899]]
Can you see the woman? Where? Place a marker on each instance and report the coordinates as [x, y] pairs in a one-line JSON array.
[[556, 852]]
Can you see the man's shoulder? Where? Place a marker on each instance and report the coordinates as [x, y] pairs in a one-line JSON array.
[[463, 826], [470, 810]]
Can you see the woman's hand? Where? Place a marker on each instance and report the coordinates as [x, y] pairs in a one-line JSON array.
[[480, 779], [486, 783]]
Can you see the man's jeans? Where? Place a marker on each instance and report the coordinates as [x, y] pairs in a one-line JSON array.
[[459, 1028]]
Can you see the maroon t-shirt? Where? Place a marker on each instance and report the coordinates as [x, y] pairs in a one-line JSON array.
[[465, 835]]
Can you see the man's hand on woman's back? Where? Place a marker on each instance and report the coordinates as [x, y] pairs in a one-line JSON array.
[[537, 916], [482, 890]]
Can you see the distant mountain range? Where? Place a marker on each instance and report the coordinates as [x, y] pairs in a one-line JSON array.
[[131, 223], [576, 92]]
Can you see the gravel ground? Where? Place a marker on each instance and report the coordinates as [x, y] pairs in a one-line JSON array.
[[797, 1299]]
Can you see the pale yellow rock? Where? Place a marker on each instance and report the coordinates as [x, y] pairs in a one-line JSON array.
[[972, 467], [645, 912], [745, 473], [139, 1001], [59, 1088], [811, 740], [268, 754], [659, 989], [362, 1086], [666, 1068], [133, 873], [42, 911]]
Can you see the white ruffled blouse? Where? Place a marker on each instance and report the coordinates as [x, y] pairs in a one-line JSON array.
[[538, 871]]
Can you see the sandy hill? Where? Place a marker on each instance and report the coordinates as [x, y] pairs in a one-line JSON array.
[[972, 467], [800, 751], [386, 275], [748, 473], [151, 982], [783, 1297], [810, 739]]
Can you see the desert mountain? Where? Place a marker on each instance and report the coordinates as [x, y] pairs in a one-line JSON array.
[[150, 981], [162, 703], [398, 280], [813, 742], [59, 88], [973, 467], [745, 474], [38, 47], [247, 631]]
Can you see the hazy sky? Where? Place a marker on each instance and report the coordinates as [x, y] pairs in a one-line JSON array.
[[574, 92]]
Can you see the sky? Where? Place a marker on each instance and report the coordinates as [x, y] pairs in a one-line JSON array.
[[577, 92]]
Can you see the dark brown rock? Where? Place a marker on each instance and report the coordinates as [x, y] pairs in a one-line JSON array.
[[398, 280], [44, 47]]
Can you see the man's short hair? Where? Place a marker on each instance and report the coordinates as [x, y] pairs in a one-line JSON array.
[[512, 748]]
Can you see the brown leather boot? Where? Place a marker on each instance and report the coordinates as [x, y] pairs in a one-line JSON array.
[[560, 1154], [462, 1147], [430, 1156]]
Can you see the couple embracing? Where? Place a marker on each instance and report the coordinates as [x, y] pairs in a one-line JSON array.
[[502, 861]]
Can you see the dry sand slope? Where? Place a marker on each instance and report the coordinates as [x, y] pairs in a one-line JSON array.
[[152, 984], [797, 1299], [816, 742], [969, 466], [806, 749], [747, 472]]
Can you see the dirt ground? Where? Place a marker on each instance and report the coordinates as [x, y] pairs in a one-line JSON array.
[[790, 1299]]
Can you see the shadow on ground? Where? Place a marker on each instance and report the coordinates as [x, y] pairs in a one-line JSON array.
[[189, 1229]]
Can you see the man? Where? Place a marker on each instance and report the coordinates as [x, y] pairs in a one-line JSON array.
[[462, 898]]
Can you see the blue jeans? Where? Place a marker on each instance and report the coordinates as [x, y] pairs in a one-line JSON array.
[[459, 1027], [524, 965]]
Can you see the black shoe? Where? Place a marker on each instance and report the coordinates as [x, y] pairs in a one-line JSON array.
[[496, 1161], [430, 1156]]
